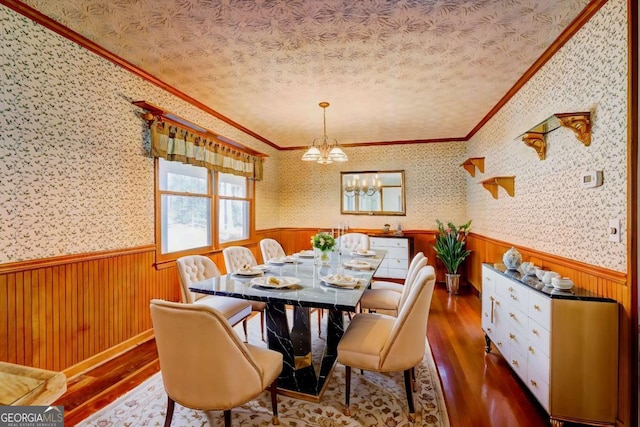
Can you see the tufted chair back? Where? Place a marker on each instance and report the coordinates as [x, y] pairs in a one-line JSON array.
[[235, 257], [353, 242], [270, 249], [194, 268]]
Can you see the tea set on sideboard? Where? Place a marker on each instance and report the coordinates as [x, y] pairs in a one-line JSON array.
[[512, 259]]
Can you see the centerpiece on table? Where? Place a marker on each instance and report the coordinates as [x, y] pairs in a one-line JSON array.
[[323, 244], [449, 247]]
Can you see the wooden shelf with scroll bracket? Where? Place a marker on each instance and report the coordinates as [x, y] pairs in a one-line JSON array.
[[579, 123], [472, 163], [506, 182]]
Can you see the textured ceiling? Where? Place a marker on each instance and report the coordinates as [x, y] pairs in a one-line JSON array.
[[392, 70]]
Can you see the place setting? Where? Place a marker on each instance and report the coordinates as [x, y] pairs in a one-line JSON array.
[[276, 282], [343, 281], [251, 271], [358, 264]]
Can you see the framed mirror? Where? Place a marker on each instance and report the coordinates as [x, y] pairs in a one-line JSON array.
[[372, 193]]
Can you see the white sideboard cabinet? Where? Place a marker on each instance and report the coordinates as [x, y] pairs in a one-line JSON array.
[[396, 262], [562, 344]]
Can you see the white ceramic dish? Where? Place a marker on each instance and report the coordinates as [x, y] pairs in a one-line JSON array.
[[347, 282], [363, 253], [274, 282], [563, 283], [253, 271], [306, 254], [358, 264]]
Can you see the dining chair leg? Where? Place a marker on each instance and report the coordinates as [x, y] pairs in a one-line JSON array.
[[227, 418], [170, 406], [347, 378], [413, 379], [262, 324], [407, 387], [244, 327], [319, 321], [274, 402]]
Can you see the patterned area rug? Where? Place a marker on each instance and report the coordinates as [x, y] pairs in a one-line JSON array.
[[376, 400]]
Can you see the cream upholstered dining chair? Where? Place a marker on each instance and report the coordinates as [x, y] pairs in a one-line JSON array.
[[381, 343], [270, 249], [393, 286], [389, 301], [204, 365], [353, 242], [194, 268], [236, 257]]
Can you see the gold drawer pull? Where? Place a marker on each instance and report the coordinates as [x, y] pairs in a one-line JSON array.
[[533, 383], [535, 332], [536, 307], [497, 302], [510, 288], [491, 298], [531, 350], [513, 297], [512, 336], [514, 362], [513, 316]]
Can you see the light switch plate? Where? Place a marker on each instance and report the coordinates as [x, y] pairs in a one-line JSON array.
[[614, 230]]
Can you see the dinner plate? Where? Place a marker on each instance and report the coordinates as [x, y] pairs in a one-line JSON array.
[[282, 260], [358, 264], [363, 253], [306, 254], [274, 282], [346, 282], [253, 271]]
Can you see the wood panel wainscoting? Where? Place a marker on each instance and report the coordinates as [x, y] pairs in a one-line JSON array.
[[74, 312]]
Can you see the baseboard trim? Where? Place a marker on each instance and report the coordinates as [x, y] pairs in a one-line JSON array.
[[109, 354]]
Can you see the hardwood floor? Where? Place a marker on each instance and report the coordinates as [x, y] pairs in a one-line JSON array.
[[480, 389]]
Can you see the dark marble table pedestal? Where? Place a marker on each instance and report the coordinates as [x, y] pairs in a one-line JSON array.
[[299, 377]]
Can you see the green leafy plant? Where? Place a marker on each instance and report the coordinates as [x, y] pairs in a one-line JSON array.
[[323, 241], [449, 245]]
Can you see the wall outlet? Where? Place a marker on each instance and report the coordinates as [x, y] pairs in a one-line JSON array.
[[614, 230]]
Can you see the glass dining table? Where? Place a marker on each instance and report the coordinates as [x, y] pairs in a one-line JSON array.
[[290, 290]]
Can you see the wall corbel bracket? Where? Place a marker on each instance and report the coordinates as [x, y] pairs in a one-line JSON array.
[[580, 123], [536, 141], [506, 182], [472, 163]]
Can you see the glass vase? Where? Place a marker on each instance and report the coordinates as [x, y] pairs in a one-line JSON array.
[[323, 256]]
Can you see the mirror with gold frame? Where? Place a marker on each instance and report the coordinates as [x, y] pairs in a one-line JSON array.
[[372, 193]]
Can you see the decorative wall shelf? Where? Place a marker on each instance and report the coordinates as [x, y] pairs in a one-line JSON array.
[[506, 182], [579, 123], [472, 163]]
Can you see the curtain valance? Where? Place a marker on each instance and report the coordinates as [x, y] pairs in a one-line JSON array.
[[174, 142]]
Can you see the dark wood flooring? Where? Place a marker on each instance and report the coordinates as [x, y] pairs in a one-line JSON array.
[[480, 389]]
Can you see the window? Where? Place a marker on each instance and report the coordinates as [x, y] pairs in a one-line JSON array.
[[233, 208], [188, 208]]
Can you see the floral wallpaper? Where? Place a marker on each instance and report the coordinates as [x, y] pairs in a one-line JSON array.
[[76, 175], [551, 212], [435, 186]]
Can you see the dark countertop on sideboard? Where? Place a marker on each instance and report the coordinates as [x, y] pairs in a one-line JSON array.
[[533, 282]]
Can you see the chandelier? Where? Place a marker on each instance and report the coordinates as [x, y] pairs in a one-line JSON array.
[[366, 187], [325, 150]]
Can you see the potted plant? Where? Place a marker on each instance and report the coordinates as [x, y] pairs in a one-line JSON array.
[[449, 248]]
